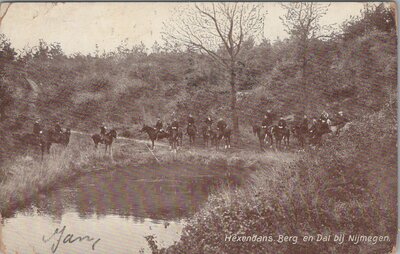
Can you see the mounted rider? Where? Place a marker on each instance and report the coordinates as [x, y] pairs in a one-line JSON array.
[[341, 121], [324, 116], [175, 124], [159, 127], [314, 126], [221, 124], [209, 122], [57, 128], [270, 115], [323, 119], [304, 124], [267, 121], [103, 131], [191, 122], [37, 128], [282, 123]]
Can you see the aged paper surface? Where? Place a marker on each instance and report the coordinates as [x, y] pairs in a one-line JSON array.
[[198, 127]]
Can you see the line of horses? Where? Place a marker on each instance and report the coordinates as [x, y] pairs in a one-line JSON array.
[[280, 137], [273, 136], [45, 138], [175, 136]]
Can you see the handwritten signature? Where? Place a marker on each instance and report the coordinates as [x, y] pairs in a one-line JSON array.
[[69, 238]]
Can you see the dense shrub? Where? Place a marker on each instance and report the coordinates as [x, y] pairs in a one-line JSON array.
[[347, 187]]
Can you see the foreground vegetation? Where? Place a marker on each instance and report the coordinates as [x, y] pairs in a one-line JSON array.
[[347, 187]]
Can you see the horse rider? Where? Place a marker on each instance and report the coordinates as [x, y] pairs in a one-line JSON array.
[[304, 124], [37, 129], [221, 124], [175, 124], [209, 122], [57, 128], [159, 126], [341, 121], [324, 116], [267, 121], [282, 123], [324, 120], [103, 130], [270, 115], [313, 127], [191, 122]]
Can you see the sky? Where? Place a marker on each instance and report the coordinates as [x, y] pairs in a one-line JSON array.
[[78, 27]]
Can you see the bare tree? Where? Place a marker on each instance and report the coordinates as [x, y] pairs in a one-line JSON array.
[[302, 22], [3, 10], [218, 30]]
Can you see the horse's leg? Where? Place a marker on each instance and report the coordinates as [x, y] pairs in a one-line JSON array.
[[42, 152]]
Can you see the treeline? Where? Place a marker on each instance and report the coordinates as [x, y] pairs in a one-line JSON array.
[[353, 71]]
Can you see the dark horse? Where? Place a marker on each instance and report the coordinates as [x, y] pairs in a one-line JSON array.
[[281, 134], [58, 138], [300, 134], [208, 135], [224, 134], [107, 139], [320, 129], [175, 138], [191, 132], [264, 136], [29, 139], [152, 132]]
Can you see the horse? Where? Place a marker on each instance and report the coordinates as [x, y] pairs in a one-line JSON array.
[[264, 136], [336, 126], [300, 134], [224, 134], [281, 134], [318, 131], [208, 135], [106, 139], [191, 132], [174, 136], [59, 138], [152, 132], [36, 140]]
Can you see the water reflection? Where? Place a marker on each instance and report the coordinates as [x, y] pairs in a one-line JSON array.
[[121, 194], [114, 206]]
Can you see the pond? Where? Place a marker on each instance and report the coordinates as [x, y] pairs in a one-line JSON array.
[[112, 206]]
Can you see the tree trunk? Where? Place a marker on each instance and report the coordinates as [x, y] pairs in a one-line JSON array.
[[304, 48], [235, 119]]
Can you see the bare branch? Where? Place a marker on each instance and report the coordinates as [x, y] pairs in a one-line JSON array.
[[5, 11]]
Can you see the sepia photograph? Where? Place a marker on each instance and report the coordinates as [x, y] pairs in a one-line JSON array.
[[198, 127]]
